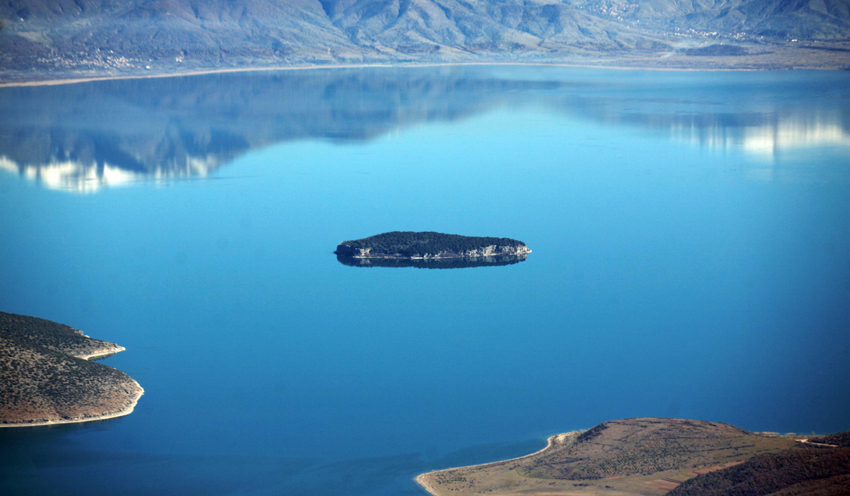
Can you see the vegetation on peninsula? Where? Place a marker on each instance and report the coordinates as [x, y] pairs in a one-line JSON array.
[[46, 377], [653, 456], [54, 336]]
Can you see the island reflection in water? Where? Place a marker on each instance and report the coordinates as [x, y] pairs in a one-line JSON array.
[[432, 263], [83, 137]]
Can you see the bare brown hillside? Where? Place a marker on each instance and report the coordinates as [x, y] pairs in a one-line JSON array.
[[648, 456]]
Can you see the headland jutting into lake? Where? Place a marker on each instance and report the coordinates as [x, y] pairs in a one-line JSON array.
[[46, 376], [654, 456]]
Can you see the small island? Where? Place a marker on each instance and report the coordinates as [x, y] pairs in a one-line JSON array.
[[46, 376], [429, 245]]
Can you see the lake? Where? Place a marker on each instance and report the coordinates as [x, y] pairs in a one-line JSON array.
[[690, 235]]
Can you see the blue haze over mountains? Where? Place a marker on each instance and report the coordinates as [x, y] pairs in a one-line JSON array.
[[91, 37]]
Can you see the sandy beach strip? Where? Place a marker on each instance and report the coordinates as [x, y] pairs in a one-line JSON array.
[[120, 413], [102, 353], [584, 65], [421, 479]]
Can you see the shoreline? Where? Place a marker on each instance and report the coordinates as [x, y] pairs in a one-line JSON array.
[[205, 72], [120, 413], [550, 442], [102, 353]]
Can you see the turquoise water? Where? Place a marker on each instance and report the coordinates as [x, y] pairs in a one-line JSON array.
[[690, 237]]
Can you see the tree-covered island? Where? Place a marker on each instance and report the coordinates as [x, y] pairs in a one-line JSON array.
[[430, 245]]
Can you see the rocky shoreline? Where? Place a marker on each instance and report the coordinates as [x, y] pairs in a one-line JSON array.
[[48, 375], [429, 245], [131, 405], [487, 251], [429, 483]]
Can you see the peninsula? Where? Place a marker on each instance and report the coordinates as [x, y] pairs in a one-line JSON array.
[[408, 245], [654, 456], [46, 376]]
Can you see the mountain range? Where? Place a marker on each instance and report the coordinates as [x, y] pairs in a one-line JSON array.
[[42, 39]]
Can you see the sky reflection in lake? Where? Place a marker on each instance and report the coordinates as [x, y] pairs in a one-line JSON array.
[[84, 137]]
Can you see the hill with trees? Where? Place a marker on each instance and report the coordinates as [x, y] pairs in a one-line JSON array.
[[54, 336], [45, 377]]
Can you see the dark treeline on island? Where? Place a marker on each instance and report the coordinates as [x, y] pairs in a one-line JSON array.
[[430, 245]]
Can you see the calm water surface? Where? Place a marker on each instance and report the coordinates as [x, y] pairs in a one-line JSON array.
[[691, 234]]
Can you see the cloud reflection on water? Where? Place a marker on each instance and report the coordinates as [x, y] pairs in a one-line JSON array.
[[84, 137]]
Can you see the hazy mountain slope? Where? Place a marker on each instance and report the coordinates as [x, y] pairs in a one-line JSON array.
[[97, 32], [801, 19], [474, 25], [100, 34], [104, 37]]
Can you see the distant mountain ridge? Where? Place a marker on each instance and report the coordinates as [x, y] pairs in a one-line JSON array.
[[98, 37]]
